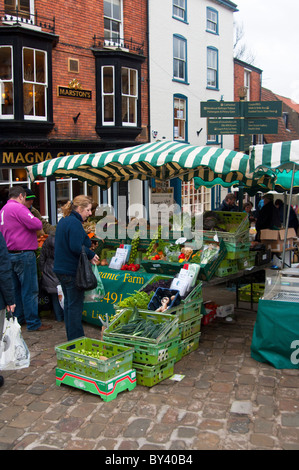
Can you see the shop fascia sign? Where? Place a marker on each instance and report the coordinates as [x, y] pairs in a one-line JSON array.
[[16, 158], [74, 90]]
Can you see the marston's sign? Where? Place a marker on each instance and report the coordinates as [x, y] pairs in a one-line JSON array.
[[73, 92]]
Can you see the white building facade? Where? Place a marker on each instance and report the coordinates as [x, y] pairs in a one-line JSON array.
[[190, 61]]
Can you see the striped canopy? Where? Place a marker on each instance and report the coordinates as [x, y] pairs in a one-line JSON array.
[[279, 156], [160, 160]]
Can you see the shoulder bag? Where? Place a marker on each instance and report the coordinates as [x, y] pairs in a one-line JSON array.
[[85, 278]]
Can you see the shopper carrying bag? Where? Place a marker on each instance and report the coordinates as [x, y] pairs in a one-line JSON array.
[[70, 237]]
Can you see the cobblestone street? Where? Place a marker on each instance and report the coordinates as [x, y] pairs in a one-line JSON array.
[[226, 400]]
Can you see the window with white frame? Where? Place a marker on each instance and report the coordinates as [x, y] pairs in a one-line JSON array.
[[179, 9], [129, 95], [179, 58], [247, 74], [6, 83], [180, 118], [195, 201], [212, 67], [112, 21], [108, 96], [212, 20], [20, 8], [34, 83]]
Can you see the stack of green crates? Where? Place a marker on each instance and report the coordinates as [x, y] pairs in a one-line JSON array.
[[95, 366], [188, 313], [153, 359]]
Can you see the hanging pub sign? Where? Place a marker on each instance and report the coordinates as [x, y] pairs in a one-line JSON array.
[[74, 90]]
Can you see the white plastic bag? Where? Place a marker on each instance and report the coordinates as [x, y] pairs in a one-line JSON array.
[[14, 353], [60, 296]]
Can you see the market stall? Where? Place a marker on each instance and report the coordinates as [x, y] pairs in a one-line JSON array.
[[170, 320]]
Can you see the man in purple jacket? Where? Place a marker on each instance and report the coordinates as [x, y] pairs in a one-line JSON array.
[[19, 228]]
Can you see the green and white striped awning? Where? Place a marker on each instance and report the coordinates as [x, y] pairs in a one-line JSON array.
[[160, 160], [278, 157]]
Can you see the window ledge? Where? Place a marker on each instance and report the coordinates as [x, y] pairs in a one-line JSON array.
[[180, 81], [212, 88]]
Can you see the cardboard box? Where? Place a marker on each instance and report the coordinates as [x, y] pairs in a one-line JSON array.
[[274, 239]]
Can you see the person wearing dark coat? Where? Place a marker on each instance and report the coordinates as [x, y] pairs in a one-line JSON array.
[[293, 220], [49, 280], [268, 216], [228, 204], [7, 295]]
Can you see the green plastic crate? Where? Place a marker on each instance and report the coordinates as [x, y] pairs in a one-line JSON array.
[[228, 267], [71, 358], [107, 390], [194, 294], [151, 354], [237, 250], [248, 261], [239, 219], [257, 292], [188, 345], [169, 330], [190, 327], [152, 375], [161, 267]]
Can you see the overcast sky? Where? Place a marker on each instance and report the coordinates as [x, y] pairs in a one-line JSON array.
[[271, 33]]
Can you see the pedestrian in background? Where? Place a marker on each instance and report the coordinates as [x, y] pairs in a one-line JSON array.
[[49, 281], [69, 238], [229, 203], [19, 228], [7, 295], [30, 196]]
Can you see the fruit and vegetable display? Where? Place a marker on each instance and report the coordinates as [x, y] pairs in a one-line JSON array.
[[137, 299]]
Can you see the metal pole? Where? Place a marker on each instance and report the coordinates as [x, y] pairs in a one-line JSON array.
[[288, 217]]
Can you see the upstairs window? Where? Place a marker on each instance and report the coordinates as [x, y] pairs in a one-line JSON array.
[[212, 20], [212, 67], [180, 118], [247, 75], [112, 21], [179, 9], [179, 58], [34, 83], [6, 83], [18, 8], [108, 96], [129, 94]]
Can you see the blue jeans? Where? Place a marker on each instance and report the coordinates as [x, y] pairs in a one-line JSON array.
[[73, 306], [26, 288], [58, 311]]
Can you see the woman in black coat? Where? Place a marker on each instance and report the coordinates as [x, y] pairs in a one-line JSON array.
[[7, 295], [49, 280]]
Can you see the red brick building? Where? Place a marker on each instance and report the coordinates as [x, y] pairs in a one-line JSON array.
[[74, 79], [249, 77]]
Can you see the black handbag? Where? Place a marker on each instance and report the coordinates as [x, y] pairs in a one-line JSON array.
[[85, 278]]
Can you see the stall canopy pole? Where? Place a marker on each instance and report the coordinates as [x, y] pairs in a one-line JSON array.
[[288, 217]]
